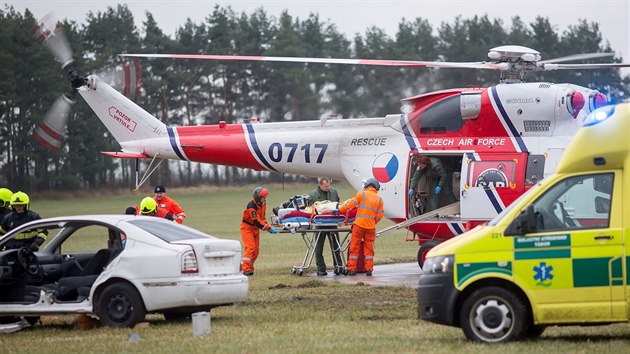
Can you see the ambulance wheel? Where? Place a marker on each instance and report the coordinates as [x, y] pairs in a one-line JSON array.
[[493, 315], [534, 331], [424, 249]]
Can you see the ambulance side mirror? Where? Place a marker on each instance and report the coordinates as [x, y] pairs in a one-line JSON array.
[[523, 224], [602, 205]]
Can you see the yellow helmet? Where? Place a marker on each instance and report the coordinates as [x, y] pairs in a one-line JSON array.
[[5, 197], [148, 206], [20, 198]]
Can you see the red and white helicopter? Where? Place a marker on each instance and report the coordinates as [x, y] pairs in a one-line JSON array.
[[505, 137]]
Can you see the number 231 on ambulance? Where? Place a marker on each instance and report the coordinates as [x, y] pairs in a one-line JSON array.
[[557, 256]]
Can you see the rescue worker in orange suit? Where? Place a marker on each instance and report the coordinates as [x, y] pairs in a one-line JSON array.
[[369, 213], [252, 222], [169, 204], [19, 216], [149, 207]]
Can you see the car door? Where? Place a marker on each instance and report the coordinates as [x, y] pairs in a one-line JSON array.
[[572, 261]]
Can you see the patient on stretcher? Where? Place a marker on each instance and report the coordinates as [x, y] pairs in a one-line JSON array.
[[300, 209]]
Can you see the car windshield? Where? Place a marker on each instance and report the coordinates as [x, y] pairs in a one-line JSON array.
[[169, 232]]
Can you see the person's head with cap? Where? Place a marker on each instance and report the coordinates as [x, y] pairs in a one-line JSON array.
[[160, 192], [423, 161]]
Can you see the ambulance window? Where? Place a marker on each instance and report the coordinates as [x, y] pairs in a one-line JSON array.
[[581, 202]]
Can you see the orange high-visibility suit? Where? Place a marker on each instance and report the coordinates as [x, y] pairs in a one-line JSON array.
[[252, 222], [369, 212], [172, 207], [159, 213]]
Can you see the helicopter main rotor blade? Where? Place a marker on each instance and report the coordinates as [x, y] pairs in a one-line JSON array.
[[378, 62], [583, 56], [552, 66]]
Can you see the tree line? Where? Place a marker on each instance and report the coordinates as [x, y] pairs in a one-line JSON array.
[[191, 92]]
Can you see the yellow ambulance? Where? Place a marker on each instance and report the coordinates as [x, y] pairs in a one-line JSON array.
[[558, 255]]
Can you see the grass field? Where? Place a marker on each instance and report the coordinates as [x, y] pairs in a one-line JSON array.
[[287, 313]]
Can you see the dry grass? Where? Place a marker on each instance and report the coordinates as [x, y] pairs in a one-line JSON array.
[[286, 313]]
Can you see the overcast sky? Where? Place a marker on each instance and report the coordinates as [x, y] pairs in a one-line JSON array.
[[355, 16]]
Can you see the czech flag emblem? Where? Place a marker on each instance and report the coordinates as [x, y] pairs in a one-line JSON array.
[[385, 167]]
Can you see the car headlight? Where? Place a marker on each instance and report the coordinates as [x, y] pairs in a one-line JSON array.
[[439, 265]]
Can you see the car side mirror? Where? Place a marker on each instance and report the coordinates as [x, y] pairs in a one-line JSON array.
[[525, 223]]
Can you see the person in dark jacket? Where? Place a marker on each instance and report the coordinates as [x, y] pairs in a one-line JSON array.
[[325, 192], [20, 215], [5, 202], [435, 178]]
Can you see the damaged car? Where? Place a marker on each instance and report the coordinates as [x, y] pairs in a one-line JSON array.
[[118, 268]]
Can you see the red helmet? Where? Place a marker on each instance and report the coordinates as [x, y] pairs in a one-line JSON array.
[[260, 192], [423, 159]]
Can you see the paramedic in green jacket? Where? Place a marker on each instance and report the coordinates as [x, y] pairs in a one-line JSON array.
[[325, 192]]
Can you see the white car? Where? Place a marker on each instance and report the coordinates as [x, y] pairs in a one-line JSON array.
[[119, 267]]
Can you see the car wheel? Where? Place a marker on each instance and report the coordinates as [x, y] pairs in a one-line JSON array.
[[424, 249], [493, 315], [120, 305]]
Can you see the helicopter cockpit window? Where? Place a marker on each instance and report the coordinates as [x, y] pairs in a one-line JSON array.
[[491, 174], [442, 116]]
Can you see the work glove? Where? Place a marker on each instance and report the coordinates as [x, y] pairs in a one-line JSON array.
[[273, 230], [410, 192], [438, 189], [33, 247]]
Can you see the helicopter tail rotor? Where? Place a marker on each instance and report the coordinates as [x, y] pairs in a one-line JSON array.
[[51, 131], [48, 32], [127, 78]]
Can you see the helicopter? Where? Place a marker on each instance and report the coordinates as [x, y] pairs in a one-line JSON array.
[[499, 140]]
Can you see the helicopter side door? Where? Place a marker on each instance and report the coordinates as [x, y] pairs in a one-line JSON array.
[[490, 182]]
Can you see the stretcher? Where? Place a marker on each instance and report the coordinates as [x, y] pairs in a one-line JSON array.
[[314, 220], [312, 228], [310, 236]]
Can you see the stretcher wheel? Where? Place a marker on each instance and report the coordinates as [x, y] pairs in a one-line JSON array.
[[300, 272]]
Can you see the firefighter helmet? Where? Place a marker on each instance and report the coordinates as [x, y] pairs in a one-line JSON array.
[[259, 193], [5, 197], [20, 198], [373, 183], [148, 206]]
